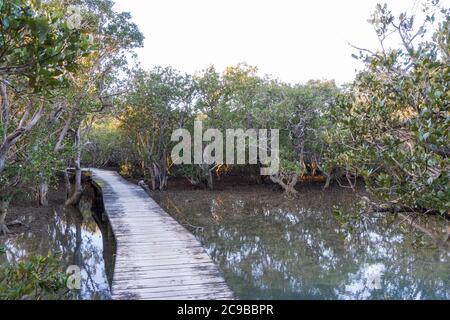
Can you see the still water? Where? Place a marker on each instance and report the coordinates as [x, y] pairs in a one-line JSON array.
[[267, 246], [82, 239], [314, 247]]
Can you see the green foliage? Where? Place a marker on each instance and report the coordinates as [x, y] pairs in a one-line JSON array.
[[58, 72], [163, 100], [36, 278], [392, 126], [38, 43], [106, 145], [159, 102]]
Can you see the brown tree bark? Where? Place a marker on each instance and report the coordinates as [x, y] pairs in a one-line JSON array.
[[68, 185], [43, 193], [78, 190], [25, 125], [328, 181], [289, 185], [3, 212]]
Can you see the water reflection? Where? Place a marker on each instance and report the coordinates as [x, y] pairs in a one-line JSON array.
[[271, 248], [81, 238]]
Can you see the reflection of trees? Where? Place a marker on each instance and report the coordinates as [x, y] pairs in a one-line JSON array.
[[295, 251], [76, 236], [109, 244]]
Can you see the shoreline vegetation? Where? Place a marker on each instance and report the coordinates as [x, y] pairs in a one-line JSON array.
[[73, 96]]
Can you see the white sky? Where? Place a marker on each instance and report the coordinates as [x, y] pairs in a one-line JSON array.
[[294, 40]]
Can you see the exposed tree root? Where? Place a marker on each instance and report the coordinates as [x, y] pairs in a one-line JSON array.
[[74, 199], [291, 193], [4, 229], [327, 182], [17, 223], [287, 183]]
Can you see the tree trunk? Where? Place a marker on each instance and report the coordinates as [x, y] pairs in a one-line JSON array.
[[327, 183], [25, 125], [302, 157], [68, 185], [207, 175], [152, 178], [255, 174], [4, 204], [43, 193], [290, 189], [158, 176], [163, 183], [2, 160], [210, 181], [164, 176], [78, 191]]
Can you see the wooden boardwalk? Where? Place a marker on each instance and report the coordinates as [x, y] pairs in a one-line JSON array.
[[156, 257]]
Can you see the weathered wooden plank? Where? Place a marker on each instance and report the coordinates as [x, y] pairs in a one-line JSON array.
[[167, 282], [163, 274], [192, 297], [179, 289], [171, 254], [161, 247], [132, 269], [151, 242], [155, 262], [133, 234], [156, 258], [158, 296], [193, 294]]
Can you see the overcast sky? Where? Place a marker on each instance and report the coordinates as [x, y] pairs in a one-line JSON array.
[[294, 40]]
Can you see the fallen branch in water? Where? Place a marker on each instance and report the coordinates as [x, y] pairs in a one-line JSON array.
[[406, 213], [197, 228], [17, 223], [393, 207], [433, 235]]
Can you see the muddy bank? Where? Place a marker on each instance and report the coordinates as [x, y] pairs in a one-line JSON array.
[[310, 194], [24, 213]]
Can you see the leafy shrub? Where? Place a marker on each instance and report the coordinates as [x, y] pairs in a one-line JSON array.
[[392, 126], [37, 278]]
